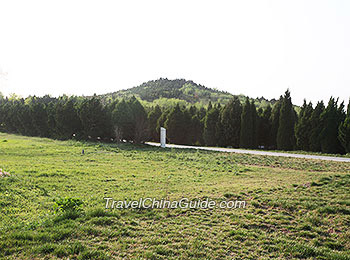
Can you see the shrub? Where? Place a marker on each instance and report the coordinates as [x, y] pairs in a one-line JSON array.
[[67, 204]]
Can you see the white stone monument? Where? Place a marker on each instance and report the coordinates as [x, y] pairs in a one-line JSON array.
[[162, 137]]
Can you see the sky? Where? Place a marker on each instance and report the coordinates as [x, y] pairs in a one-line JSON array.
[[257, 48]]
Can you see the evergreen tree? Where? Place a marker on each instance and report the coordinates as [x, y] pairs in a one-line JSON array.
[[139, 120], [153, 117], [303, 128], [248, 135], [94, 119], [285, 133], [219, 131], [254, 116], [26, 120], [316, 127], [210, 127], [123, 125], [231, 123], [177, 124], [67, 118], [39, 117], [192, 111], [264, 127], [210, 106], [51, 122], [331, 119], [246, 126], [344, 131], [196, 131], [162, 119], [201, 113], [15, 110], [275, 120], [7, 122]]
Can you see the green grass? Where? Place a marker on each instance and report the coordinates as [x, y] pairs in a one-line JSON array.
[[296, 208]]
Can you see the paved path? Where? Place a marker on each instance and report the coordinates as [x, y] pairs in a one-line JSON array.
[[232, 150]]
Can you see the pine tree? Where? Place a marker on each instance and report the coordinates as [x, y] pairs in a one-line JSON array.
[[67, 118], [316, 127], [210, 127], [220, 137], [264, 127], [153, 117], [201, 113], [94, 119], [195, 131], [344, 131], [210, 106], [176, 124], [39, 117], [285, 133], [161, 120], [254, 116], [331, 119], [140, 121], [192, 111], [231, 123], [275, 120], [246, 126], [248, 135], [303, 128], [25, 119], [123, 124]]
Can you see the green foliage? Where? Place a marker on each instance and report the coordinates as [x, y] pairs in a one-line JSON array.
[[94, 119], [315, 136], [39, 117], [195, 131], [67, 121], [248, 134], [153, 117], [161, 120], [210, 126], [165, 93], [275, 119], [331, 119], [264, 126], [344, 131], [109, 119], [179, 89], [231, 123], [177, 124], [123, 124], [67, 204], [303, 128], [130, 121], [287, 118], [140, 120]]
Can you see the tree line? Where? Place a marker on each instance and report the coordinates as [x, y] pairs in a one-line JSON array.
[[319, 129]]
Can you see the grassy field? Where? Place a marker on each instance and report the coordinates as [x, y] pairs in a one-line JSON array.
[[296, 208]]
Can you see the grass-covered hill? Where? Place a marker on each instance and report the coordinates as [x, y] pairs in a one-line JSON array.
[[165, 91]]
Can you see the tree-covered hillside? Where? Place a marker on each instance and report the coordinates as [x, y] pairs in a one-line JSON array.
[[164, 91]]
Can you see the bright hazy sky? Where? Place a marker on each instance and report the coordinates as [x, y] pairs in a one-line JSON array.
[[257, 48]]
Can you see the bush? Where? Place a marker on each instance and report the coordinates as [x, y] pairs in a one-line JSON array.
[[67, 204]]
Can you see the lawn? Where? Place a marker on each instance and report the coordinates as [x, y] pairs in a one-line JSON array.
[[296, 208]]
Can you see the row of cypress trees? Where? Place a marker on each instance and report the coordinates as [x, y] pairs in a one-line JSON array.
[[74, 117], [319, 129]]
